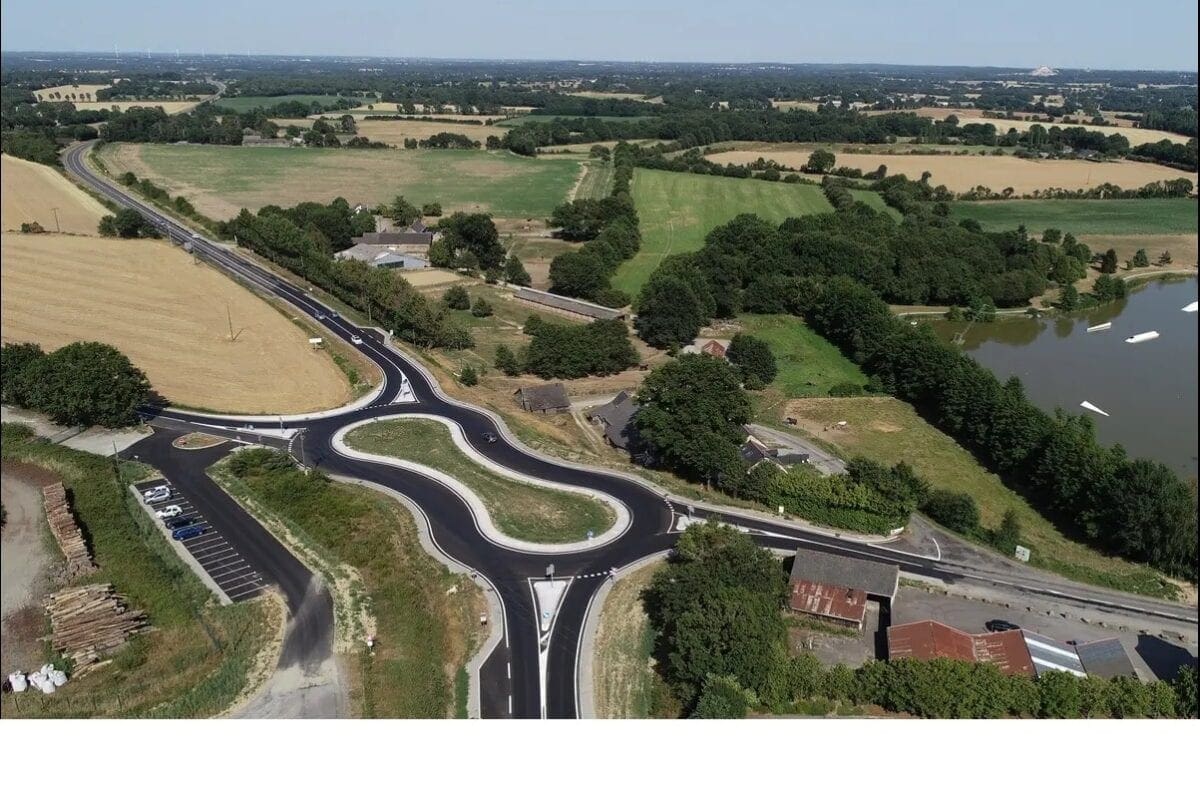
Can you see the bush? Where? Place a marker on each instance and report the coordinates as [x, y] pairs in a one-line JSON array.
[[754, 358], [507, 362], [456, 297], [481, 308], [468, 376], [846, 389], [955, 510]]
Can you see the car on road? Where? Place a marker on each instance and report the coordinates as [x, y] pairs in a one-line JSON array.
[[490, 438], [187, 532], [999, 625], [320, 316], [157, 494], [356, 339], [166, 512]]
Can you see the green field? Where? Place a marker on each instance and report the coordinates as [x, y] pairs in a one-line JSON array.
[[677, 210], [220, 181], [808, 363], [1081, 217], [250, 102]]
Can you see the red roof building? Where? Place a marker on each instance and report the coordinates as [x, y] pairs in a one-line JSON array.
[[927, 640], [713, 348], [834, 604]]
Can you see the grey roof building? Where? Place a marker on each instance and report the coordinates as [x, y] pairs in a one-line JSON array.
[[382, 256], [876, 579], [1105, 658], [570, 305], [548, 398], [1052, 655], [423, 237], [755, 452], [617, 418]]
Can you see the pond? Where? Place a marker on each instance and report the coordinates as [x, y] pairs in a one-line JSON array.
[[1148, 389]]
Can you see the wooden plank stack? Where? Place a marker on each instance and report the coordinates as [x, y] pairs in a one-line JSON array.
[[89, 621], [66, 531]]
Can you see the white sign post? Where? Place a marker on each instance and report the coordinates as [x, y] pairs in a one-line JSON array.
[[1022, 553]]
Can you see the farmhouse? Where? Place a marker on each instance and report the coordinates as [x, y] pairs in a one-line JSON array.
[[616, 417], [835, 589], [567, 305], [382, 256], [548, 398], [716, 348], [415, 235], [755, 452], [251, 139], [929, 639]]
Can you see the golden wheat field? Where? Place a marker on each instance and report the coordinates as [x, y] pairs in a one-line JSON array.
[[961, 173], [32, 192]]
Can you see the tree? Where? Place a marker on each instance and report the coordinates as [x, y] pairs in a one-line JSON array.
[[1060, 694], [15, 360], [692, 410], [1140, 260], [515, 273], [754, 358], [721, 698], [86, 383], [402, 212], [475, 233], [1164, 258], [467, 376], [1185, 684], [456, 297], [1108, 288], [431, 210], [820, 162], [956, 510], [1108, 261], [507, 362], [481, 308], [1068, 300], [441, 254], [669, 312], [1052, 236], [1008, 535], [126, 223]]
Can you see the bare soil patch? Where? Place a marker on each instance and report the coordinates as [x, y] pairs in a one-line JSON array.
[[961, 173], [432, 277], [35, 193], [60, 289], [28, 564]]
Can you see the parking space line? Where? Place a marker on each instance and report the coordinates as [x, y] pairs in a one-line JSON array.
[[231, 586], [227, 572], [220, 562]]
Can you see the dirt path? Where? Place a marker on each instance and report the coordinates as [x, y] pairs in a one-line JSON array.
[[26, 565]]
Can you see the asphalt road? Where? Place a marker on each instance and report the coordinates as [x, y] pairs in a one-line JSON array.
[[510, 678]]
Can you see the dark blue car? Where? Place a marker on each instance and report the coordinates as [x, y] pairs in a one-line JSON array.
[[179, 522], [187, 532]]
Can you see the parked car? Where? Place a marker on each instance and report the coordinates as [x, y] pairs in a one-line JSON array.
[[166, 512], [355, 339], [187, 532], [998, 625], [179, 522], [157, 494], [320, 316], [490, 438]]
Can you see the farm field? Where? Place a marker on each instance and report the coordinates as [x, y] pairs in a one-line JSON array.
[[250, 102], [524, 119], [61, 289], [616, 96], [961, 173], [220, 181], [57, 94], [1183, 248], [395, 131], [1108, 217], [971, 116], [169, 106], [678, 209], [32, 192]]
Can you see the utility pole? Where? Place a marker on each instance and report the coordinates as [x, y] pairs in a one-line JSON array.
[[229, 317], [57, 229]]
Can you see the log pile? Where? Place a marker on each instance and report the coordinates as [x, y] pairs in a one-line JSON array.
[[66, 531], [90, 621]]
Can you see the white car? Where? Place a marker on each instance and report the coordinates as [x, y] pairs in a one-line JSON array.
[[167, 512], [355, 340], [157, 494]]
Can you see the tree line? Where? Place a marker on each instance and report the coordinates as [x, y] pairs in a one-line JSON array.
[[83, 383], [721, 648]]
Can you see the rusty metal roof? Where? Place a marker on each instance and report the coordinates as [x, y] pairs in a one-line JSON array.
[[824, 600], [929, 639]]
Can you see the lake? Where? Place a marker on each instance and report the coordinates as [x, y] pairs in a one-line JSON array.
[[1148, 388]]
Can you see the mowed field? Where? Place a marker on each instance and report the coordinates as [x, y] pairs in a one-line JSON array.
[[971, 116], [678, 209], [170, 316], [1109, 217], [961, 173], [32, 192], [220, 181], [395, 131]]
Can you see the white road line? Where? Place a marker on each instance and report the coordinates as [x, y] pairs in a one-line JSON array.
[[509, 670], [510, 705]]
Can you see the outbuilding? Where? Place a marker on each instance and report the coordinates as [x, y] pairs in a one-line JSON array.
[[547, 398]]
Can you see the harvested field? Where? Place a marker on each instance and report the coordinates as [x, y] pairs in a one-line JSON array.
[[616, 96], [30, 192], [395, 131], [432, 277], [169, 106], [961, 173], [787, 105], [57, 94], [171, 317], [243, 103], [971, 116], [220, 181], [1183, 249]]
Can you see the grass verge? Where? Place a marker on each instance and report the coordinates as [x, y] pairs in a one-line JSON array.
[[529, 513], [197, 659], [423, 615]]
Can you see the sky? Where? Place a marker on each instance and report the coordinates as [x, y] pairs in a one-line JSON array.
[[1106, 34]]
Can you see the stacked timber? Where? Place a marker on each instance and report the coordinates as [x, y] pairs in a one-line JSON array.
[[66, 531], [90, 621]]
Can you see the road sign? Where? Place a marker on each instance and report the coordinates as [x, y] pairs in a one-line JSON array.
[[1022, 553]]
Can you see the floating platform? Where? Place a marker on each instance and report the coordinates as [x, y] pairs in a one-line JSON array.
[[1103, 326], [1190, 307], [1094, 408], [1142, 337]]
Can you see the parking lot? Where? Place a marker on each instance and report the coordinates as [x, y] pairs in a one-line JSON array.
[[212, 551]]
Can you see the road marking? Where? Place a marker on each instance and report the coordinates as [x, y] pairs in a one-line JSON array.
[[510, 705], [509, 665]]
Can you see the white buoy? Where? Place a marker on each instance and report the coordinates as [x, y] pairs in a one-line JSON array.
[[1103, 326], [1190, 307], [1142, 337], [1097, 409]]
